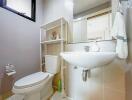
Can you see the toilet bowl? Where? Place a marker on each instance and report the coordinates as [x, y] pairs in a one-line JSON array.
[[38, 86]]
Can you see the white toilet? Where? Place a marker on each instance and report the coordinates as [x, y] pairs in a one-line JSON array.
[[38, 86]]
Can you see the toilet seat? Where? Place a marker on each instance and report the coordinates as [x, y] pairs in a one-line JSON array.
[[31, 80]]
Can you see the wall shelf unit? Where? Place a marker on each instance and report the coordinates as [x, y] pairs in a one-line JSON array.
[[55, 23], [53, 41], [53, 37]]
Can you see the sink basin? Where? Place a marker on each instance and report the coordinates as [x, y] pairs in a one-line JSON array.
[[88, 60]]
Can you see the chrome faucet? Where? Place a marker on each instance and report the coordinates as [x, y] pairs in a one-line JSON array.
[[94, 47], [97, 48], [87, 48]]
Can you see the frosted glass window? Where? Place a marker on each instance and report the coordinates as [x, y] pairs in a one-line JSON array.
[[23, 6]]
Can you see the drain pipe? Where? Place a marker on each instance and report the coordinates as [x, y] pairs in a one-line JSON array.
[[85, 74]]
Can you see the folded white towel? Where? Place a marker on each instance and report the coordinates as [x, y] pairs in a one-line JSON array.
[[119, 33]]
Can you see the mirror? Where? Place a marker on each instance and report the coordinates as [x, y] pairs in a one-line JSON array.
[[25, 8], [92, 20]]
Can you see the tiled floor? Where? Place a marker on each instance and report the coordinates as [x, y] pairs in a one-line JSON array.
[[4, 96], [0, 97], [14, 97], [55, 96], [59, 96]]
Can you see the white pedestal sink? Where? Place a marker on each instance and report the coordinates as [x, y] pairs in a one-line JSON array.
[[88, 60]]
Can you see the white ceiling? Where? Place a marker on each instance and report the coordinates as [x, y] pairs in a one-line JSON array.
[[83, 5]]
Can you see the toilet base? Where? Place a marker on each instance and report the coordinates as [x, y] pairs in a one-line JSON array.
[[33, 96], [43, 92], [47, 90], [49, 94], [16, 97], [43, 95]]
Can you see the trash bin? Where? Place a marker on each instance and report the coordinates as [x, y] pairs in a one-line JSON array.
[[2, 71], [6, 84]]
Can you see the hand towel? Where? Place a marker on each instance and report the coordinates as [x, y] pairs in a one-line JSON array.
[[119, 33]]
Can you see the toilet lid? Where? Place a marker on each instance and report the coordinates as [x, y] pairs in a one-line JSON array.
[[31, 80]]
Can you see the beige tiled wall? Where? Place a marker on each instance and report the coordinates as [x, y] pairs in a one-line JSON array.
[[114, 81], [129, 69], [105, 83]]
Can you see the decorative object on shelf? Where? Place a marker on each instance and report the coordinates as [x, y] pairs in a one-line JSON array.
[[54, 35], [10, 69]]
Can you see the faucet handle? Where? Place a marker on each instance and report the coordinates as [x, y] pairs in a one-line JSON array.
[[87, 48], [95, 47]]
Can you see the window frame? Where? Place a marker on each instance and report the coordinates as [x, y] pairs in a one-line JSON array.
[[33, 10]]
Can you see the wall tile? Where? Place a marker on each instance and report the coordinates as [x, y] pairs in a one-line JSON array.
[[114, 77], [110, 94]]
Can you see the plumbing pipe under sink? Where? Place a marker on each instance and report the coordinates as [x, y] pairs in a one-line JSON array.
[[85, 74]]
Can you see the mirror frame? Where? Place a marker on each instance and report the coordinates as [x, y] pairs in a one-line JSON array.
[[33, 10]]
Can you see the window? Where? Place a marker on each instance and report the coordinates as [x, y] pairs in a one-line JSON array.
[[24, 8]]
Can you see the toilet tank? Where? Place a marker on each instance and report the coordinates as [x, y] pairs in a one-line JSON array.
[[52, 64]]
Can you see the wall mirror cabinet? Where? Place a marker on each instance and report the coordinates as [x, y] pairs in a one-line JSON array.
[[92, 21]]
